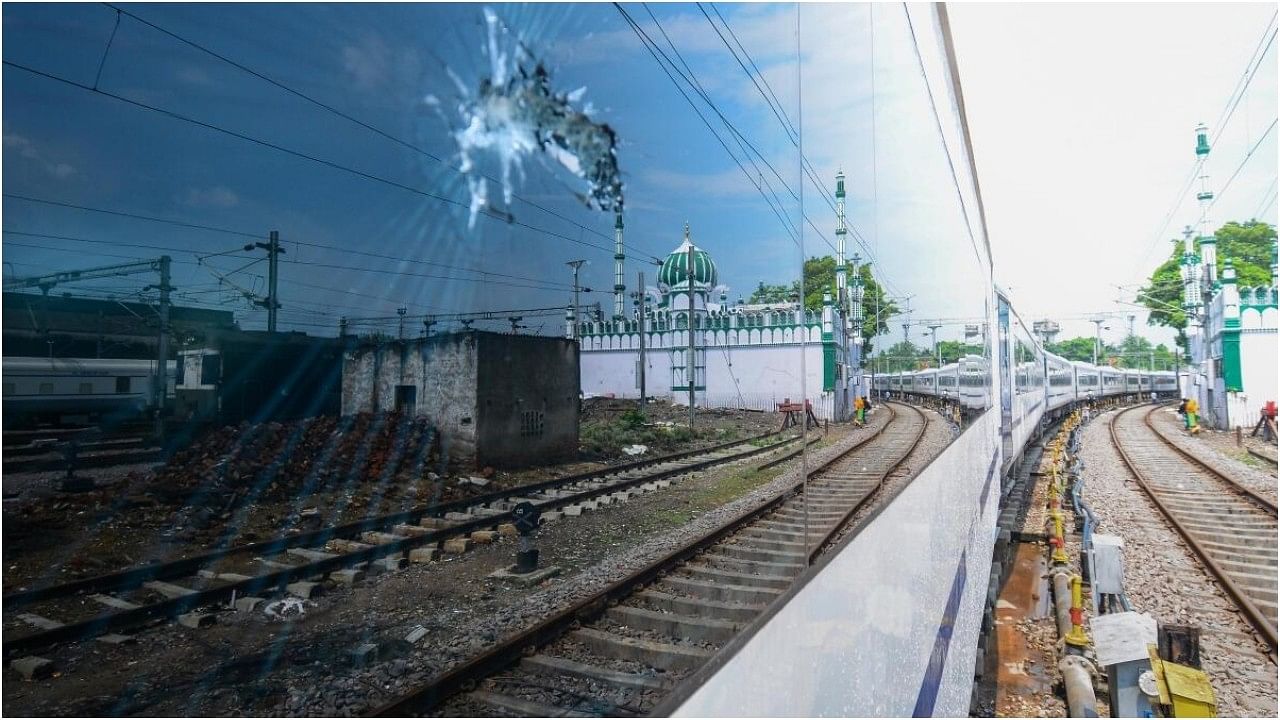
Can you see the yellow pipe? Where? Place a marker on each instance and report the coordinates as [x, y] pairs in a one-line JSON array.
[[1077, 637]]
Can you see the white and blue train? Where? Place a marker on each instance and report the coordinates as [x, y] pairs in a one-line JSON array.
[[79, 390]]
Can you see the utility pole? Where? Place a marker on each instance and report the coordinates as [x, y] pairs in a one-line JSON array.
[[691, 370], [162, 347], [576, 265], [644, 311], [400, 331], [515, 323], [427, 322], [272, 303], [1097, 343]]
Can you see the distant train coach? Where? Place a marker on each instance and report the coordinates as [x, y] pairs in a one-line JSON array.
[[66, 390]]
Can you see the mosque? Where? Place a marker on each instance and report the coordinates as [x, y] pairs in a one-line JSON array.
[[1231, 331], [741, 356]]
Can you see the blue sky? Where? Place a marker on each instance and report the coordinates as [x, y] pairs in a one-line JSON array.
[[379, 63]]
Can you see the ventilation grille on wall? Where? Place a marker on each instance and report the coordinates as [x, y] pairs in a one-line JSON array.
[[531, 422]]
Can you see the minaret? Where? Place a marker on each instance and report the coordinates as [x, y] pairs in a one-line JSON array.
[[619, 289], [842, 296], [1208, 241]]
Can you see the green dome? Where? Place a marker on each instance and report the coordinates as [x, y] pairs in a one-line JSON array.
[[675, 269]]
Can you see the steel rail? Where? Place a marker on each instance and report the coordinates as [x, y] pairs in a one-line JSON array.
[[1261, 455], [173, 607], [1255, 497], [915, 442], [134, 577], [459, 678], [1251, 611]]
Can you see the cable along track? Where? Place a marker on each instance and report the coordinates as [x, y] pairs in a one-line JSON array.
[[136, 596], [1229, 527], [623, 649]]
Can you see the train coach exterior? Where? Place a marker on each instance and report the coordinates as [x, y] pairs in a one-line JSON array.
[[54, 389]]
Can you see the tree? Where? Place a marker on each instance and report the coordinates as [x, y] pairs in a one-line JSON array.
[[1080, 348], [1249, 245], [819, 278]]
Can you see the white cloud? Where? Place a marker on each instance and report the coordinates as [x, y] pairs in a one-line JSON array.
[[29, 150], [213, 197]]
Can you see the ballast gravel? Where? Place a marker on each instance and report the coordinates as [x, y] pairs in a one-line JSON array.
[[1164, 578]]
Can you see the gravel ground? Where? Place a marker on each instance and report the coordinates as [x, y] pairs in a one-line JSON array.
[[1163, 578], [1219, 450], [250, 664]]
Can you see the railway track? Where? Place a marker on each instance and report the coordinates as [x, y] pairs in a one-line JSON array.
[[1229, 527], [296, 564], [623, 649]]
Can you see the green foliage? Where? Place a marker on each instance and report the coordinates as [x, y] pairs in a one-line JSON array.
[[632, 419], [1134, 352], [820, 277], [1249, 245], [1079, 348]]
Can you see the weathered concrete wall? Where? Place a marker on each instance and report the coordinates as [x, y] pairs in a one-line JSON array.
[[442, 372], [502, 400], [527, 399]]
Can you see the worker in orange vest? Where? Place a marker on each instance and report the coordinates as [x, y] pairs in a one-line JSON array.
[[859, 411]]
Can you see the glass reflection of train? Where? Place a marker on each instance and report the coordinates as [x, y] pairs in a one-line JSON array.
[[1054, 381], [1036, 383], [56, 390]]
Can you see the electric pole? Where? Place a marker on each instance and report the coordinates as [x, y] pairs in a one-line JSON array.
[[692, 369], [162, 347], [644, 311], [400, 331], [576, 265], [272, 302]]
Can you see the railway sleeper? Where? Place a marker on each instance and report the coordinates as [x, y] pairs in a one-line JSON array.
[[789, 569], [1242, 522], [721, 592], [1265, 555], [730, 611], [664, 656], [551, 665], [1237, 536], [713, 574], [749, 552], [520, 707], [679, 626], [1233, 510]]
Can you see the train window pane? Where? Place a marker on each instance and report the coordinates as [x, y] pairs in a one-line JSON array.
[[9, 389], [46, 388], [122, 384], [86, 388]]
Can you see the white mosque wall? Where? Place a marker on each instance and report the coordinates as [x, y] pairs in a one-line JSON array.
[[751, 377], [1258, 362]]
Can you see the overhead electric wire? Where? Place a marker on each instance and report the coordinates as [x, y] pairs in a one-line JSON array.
[[493, 215], [1233, 100], [346, 116], [1227, 185], [262, 236]]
